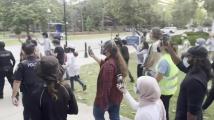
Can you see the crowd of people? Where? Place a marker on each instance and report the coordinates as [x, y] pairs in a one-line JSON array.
[[41, 78]]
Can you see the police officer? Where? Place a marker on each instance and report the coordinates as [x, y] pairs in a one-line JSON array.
[[7, 63], [25, 76]]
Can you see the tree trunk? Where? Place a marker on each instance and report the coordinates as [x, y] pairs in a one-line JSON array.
[[28, 29], [213, 26]]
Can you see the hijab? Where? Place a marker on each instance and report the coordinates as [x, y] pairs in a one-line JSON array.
[[149, 93]]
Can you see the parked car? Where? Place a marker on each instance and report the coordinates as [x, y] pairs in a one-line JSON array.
[[169, 29], [132, 40]]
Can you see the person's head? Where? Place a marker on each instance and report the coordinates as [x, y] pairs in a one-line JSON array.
[[34, 42], [29, 38], [156, 34], [28, 48], [71, 48], [148, 90], [45, 35], [119, 43], [197, 59], [2, 44], [56, 42], [110, 49], [51, 72]]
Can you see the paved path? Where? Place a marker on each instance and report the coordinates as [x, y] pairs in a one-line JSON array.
[[10, 112]]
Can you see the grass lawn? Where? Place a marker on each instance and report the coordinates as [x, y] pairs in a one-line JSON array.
[[89, 74], [14, 41]]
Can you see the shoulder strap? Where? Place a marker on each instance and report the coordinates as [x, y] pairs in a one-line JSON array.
[[149, 55], [40, 100], [65, 89]]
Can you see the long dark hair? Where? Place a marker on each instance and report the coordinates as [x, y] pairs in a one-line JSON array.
[[201, 64], [115, 53], [52, 89]]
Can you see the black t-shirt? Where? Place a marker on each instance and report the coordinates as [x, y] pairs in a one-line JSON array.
[[192, 92], [26, 73], [5, 60], [45, 107], [60, 54]]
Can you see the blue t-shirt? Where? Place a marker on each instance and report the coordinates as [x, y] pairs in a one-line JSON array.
[[163, 67]]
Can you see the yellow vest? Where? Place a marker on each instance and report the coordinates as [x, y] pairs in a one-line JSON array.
[[169, 83]]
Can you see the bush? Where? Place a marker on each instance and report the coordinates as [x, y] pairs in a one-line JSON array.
[[191, 36]]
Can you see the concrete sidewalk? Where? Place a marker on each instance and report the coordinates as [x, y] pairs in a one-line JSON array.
[[10, 112]]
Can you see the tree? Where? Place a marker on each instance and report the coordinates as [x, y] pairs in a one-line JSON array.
[[200, 16], [183, 12], [133, 12], [89, 24], [208, 5], [23, 14]]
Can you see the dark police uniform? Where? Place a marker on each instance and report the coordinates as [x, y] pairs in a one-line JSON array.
[[6, 68], [30, 83], [210, 96], [192, 92]]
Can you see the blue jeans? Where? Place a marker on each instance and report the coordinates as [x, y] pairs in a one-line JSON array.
[[113, 110]]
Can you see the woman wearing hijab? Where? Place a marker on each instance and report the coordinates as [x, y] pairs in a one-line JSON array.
[[149, 106]]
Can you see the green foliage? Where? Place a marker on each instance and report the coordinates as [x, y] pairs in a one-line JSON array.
[[24, 14], [17, 30], [191, 36], [89, 24], [208, 5], [183, 12], [200, 16]]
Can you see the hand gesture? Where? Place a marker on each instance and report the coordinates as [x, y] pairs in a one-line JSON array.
[[122, 88], [15, 101], [90, 52]]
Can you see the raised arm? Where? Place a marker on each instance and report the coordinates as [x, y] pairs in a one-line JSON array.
[[91, 53]]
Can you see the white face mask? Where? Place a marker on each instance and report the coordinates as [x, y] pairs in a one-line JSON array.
[[185, 62]]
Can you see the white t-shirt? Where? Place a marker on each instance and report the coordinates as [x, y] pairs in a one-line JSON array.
[[72, 65], [149, 112], [210, 44], [47, 44], [141, 56]]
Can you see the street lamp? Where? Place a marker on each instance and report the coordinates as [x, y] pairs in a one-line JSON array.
[[48, 11], [65, 22]]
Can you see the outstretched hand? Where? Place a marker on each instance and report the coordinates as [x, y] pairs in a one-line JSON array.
[[15, 101], [90, 52], [122, 88]]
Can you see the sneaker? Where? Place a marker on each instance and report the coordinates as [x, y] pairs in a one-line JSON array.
[[84, 87]]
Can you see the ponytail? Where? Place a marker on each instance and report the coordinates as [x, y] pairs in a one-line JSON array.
[[52, 90]]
